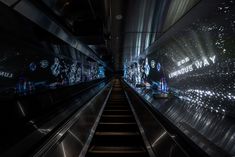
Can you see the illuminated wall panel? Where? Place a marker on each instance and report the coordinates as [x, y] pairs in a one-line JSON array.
[[198, 58], [176, 10], [32, 60]]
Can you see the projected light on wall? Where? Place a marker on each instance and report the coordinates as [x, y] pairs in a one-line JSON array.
[[101, 73], [198, 57], [30, 73], [158, 67], [199, 60], [146, 67], [56, 67], [44, 64], [197, 64], [5, 74], [32, 66]]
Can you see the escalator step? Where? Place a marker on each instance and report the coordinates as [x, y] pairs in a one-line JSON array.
[[116, 112], [109, 127], [117, 105], [102, 123], [117, 118], [116, 133], [117, 139], [117, 151], [117, 108]]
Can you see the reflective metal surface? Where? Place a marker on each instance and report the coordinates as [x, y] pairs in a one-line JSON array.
[[30, 11], [73, 137], [209, 130], [30, 57], [33, 60], [32, 133], [197, 66], [146, 21], [9, 2], [146, 141], [161, 141]]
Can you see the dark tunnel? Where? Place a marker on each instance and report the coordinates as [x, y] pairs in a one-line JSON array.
[[117, 78]]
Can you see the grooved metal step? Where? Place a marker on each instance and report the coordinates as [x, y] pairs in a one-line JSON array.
[[102, 151], [117, 134]]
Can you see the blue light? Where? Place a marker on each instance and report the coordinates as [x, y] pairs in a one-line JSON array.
[[101, 72], [146, 67], [44, 64], [32, 66], [158, 66], [56, 67]]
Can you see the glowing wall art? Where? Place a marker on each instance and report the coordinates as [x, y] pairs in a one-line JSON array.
[[32, 72], [197, 54], [198, 60], [44, 64], [153, 64], [101, 72], [6, 74], [158, 67], [37, 60], [183, 61], [32, 66], [146, 67], [147, 73], [197, 64], [56, 67]]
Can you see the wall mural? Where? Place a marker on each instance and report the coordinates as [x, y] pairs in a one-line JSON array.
[[148, 73], [23, 72]]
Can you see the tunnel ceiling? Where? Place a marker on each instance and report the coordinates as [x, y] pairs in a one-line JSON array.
[[118, 31]]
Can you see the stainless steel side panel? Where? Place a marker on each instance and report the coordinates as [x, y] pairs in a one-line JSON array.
[[161, 141], [75, 135], [9, 2], [30, 11]]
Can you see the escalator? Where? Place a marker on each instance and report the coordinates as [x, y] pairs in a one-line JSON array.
[[117, 133], [116, 123]]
